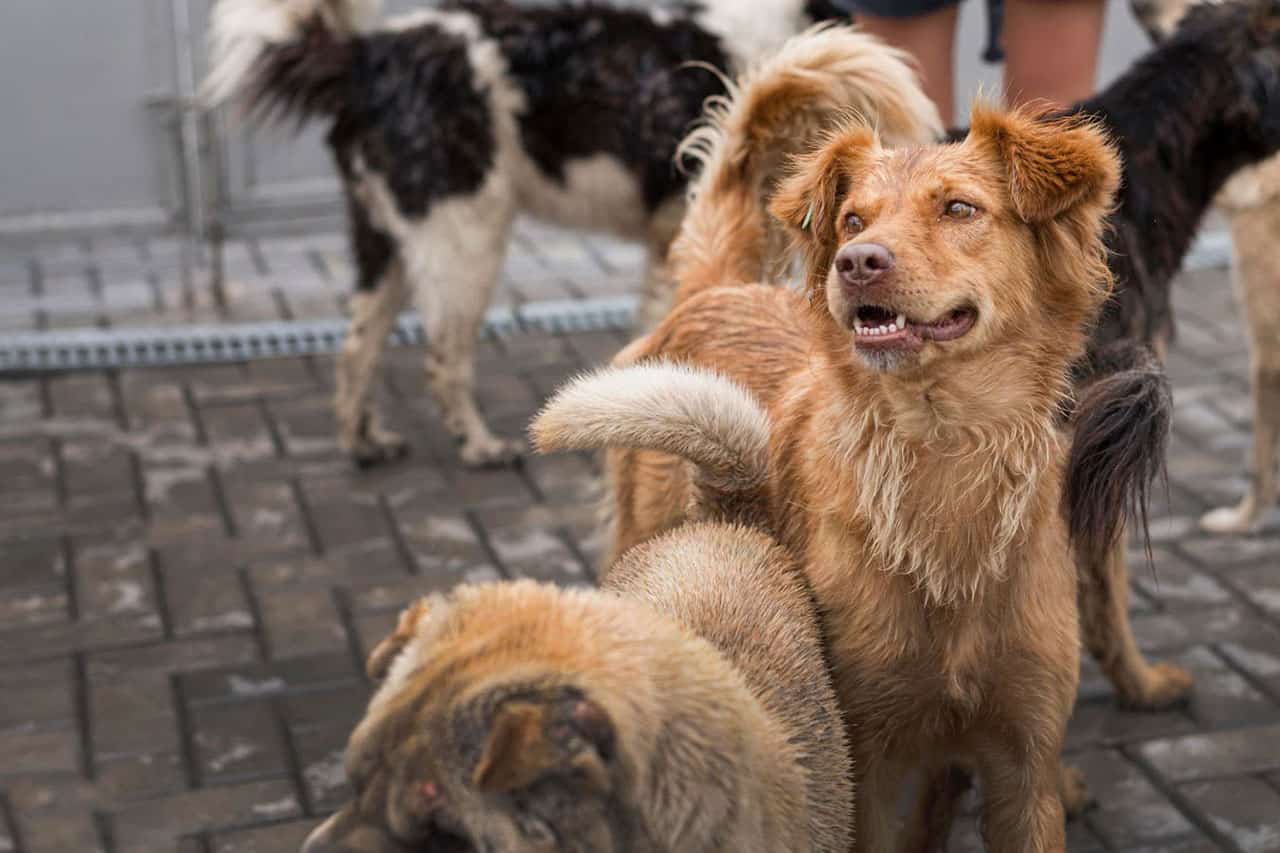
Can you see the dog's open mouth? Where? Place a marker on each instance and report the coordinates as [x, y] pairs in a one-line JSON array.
[[876, 326]]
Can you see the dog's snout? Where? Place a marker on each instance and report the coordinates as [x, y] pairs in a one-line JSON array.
[[863, 264]]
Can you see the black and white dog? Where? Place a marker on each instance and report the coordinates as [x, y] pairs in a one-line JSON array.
[[447, 122]]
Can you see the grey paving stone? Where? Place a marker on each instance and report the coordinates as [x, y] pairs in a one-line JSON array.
[[301, 621], [1245, 810], [1130, 810], [257, 681], [322, 768], [237, 741], [140, 776], [59, 833], [1174, 583], [133, 716], [1223, 697], [28, 749], [157, 824], [285, 836], [1199, 756]]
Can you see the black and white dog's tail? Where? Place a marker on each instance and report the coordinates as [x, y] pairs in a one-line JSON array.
[[688, 412], [284, 57], [1119, 428]]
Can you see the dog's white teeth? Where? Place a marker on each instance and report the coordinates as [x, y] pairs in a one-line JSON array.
[[900, 321], [857, 325]]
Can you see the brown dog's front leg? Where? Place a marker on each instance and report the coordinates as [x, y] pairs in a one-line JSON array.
[[1022, 803]]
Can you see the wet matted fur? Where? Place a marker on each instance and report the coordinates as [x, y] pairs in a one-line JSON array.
[[449, 121], [1251, 202], [917, 474], [686, 707]]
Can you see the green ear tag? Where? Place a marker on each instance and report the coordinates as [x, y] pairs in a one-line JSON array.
[[808, 218]]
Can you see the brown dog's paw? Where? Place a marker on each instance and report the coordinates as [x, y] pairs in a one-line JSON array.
[[1163, 686], [1076, 799]]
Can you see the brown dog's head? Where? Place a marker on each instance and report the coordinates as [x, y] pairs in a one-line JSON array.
[[930, 253], [480, 737]]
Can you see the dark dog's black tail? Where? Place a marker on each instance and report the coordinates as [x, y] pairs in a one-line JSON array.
[[284, 59], [1120, 427]]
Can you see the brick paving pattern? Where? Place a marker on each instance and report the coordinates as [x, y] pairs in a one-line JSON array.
[[192, 573]]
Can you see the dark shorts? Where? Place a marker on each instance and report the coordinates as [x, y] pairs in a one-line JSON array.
[[912, 8]]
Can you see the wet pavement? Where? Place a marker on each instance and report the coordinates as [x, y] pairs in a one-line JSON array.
[[191, 573]]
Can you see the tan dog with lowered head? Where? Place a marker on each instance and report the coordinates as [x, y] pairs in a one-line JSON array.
[[684, 708]]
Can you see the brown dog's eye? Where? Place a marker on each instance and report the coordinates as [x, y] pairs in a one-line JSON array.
[[852, 223], [960, 210]]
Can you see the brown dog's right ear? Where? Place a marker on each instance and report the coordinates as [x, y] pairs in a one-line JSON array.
[[1053, 165], [389, 649]]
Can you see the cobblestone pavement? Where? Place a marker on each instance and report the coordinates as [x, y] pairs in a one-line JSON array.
[[191, 573]]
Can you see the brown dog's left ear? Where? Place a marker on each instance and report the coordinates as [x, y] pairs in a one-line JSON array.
[[807, 201], [530, 739], [1052, 165], [389, 649]]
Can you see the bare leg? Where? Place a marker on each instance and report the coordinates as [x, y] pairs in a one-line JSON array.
[[373, 313], [452, 262], [1051, 50], [1104, 621], [930, 38]]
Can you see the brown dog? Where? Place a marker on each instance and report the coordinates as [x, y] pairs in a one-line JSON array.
[[915, 458], [686, 707]]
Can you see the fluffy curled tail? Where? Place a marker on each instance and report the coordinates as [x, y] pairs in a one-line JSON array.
[[689, 412], [772, 112], [287, 57], [1119, 430]]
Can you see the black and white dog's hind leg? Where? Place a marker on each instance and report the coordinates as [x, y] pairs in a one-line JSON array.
[[453, 267], [450, 259], [380, 295]]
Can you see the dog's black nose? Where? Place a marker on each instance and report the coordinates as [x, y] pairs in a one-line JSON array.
[[864, 264]]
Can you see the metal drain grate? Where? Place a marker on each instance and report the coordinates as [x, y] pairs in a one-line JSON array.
[[86, 349]]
